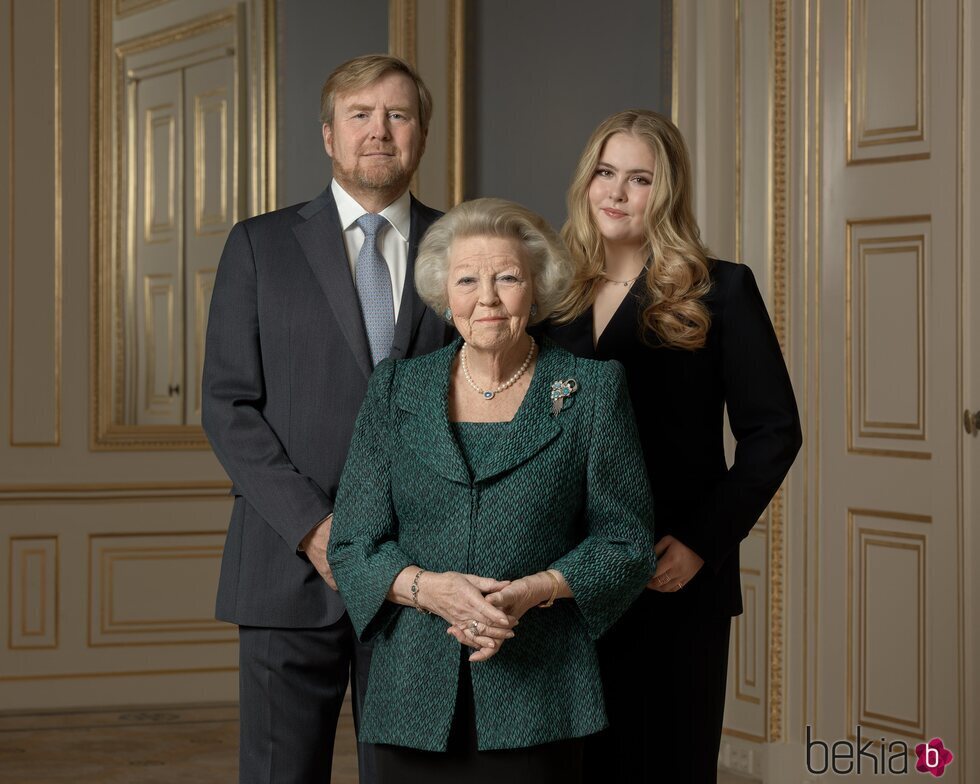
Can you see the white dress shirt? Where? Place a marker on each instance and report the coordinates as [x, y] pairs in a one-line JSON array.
[[394, 240]]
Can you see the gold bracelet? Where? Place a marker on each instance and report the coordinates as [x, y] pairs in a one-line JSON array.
[[554, 590], [415, 593]]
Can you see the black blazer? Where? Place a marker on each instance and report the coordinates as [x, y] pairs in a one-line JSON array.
[[286, 368], [680, 397]]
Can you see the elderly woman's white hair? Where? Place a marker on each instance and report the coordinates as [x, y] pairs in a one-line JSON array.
[[544, 253]]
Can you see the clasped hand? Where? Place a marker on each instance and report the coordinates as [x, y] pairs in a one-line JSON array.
[[482, 612]]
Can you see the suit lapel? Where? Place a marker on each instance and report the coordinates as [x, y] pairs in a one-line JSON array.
[[411, 309], [322, 241]]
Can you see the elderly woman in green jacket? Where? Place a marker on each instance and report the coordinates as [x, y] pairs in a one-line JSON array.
[[494, 502]]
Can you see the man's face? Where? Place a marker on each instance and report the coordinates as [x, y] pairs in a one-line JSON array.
[[376, 138]]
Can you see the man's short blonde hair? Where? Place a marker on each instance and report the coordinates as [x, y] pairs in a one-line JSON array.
[[362, 71]]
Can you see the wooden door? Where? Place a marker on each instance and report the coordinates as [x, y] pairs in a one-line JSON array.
[[890, 577]]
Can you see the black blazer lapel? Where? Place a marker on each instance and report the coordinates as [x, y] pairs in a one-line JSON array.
[[322, 240], [412, 308]]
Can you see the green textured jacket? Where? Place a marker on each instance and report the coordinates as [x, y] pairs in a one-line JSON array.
[[567, 492]]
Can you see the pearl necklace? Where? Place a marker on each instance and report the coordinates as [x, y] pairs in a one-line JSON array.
[[488, 394]]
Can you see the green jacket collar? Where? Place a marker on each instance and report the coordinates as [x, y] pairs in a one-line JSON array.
[[424, 393]]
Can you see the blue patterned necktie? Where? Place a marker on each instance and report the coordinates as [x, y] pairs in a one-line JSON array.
[[373, 281]]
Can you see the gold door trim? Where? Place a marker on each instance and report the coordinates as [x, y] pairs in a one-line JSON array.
[[106, 387], [155, 117], [57, 205], [855, 106], [212, 101], [901, 539], [850, 247]]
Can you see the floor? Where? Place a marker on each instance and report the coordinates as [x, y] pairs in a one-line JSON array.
[[162, 745]]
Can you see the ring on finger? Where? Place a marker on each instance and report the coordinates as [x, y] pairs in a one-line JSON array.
[[473, 626]]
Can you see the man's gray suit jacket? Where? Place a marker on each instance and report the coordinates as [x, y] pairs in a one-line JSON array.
[[286, 367]]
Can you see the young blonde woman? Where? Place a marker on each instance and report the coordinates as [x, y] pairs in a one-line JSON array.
[[694, 337]]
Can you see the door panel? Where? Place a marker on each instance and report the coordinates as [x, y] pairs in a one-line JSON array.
[[889, 582]]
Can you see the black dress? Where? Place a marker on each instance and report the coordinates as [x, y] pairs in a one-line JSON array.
[[664, 664]]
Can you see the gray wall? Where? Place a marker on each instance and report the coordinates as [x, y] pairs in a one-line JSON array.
[[314, 37], [540, 74], [540, 77]]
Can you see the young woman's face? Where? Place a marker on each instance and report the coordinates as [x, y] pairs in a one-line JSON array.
[[620, 189]]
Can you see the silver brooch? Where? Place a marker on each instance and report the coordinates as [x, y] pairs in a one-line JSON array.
[[561, 389]]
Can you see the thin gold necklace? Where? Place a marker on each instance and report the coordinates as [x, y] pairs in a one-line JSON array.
[[625, 283]]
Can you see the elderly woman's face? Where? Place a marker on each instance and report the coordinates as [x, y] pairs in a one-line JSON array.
[[490, 291]]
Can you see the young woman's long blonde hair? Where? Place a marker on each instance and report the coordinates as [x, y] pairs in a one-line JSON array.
[[678, 275]]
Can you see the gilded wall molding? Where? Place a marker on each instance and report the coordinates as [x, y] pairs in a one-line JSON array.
[[780, 274], [457, 86], [737, 90], [859, 539], [57, 229], [402, 30], [123, 8], [141, 626], [812, 178], [860, 137], [21, 634], [893, 231], [407, 31], [103, 492], [70, 676], [963, 303], [112, 243]]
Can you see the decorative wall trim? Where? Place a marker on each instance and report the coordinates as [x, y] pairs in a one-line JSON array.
[[780, 284], [912, 135], [57, 294], [21, 633], [127, 7], [859, 539], [102, 492], [62, 676], [403, 30], [915, 232], [107, 388], [457, 86], [110, 626], [737, 89]]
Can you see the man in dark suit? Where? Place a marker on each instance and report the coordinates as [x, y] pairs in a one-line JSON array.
[[307, 300]]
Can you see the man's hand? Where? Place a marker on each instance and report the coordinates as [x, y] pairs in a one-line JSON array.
[[314, 544]]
